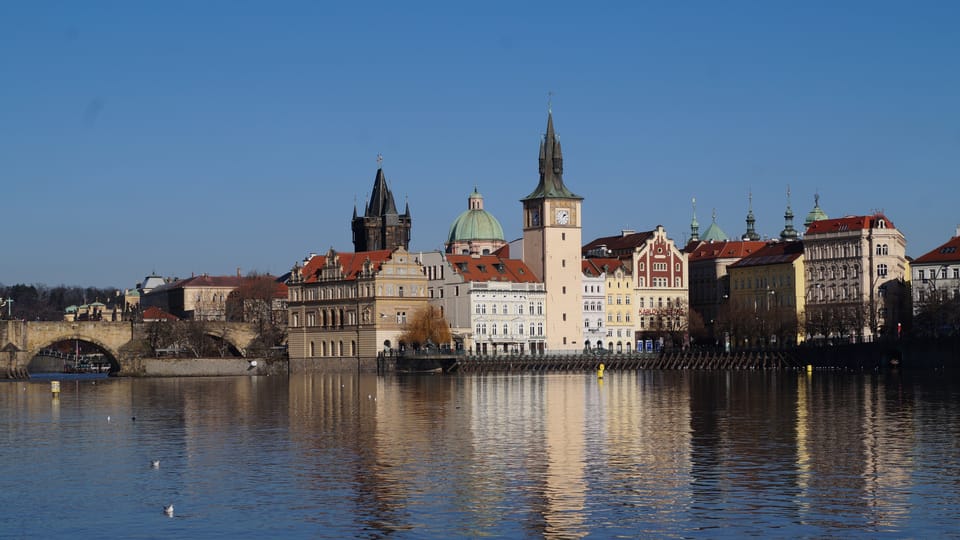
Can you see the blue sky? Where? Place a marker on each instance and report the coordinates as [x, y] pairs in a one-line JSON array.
[[189, 137]]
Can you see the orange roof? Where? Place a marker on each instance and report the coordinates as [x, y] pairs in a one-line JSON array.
[[153, 313], [350, 263], [620, 242], [595, 266], [730, 249], [848, 223], [491, 268], [948, 252]]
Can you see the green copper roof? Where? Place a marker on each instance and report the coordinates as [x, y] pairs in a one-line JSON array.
[[816, 214], [714, 233], [551, 169], [475, 223]]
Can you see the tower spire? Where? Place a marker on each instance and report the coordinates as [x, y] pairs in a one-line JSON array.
[[694, 226], [788, 233], [551, 167], [751, 233]]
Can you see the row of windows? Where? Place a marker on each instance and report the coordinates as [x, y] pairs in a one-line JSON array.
[[834, 272], [659, 282], [481, 309], [482, 329], [332, 348], [620, 300], [921, 274], [844, 251], [335, 293]]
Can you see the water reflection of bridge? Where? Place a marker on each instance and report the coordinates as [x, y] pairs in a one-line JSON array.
[[21, 341]]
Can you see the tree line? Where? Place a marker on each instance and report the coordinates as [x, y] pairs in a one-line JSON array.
[[46, 303]]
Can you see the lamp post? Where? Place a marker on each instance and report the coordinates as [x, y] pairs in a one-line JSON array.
[[9, 303]]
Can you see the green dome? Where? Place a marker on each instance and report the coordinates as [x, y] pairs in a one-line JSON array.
[[475, 223], [816, 214]]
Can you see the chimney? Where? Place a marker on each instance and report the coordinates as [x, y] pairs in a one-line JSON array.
[[238, 271], [958, 231]]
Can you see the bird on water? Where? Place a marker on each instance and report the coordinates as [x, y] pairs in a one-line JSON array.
[[168, 510]]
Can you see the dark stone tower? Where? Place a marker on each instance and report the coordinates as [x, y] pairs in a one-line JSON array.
[[381, 226]]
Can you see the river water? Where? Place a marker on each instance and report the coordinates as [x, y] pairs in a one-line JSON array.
[[640, 454]]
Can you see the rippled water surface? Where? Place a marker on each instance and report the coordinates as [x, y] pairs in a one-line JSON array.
[[637, 455]]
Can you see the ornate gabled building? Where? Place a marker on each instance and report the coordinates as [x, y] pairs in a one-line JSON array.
[[551, 245], [346, 307], [494, 305], [381, 226], [659, 275], [856, 269]]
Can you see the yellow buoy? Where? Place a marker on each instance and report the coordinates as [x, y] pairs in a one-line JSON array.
[[55, 388], [600, 372]]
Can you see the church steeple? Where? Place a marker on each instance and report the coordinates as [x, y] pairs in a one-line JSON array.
[[694, 225], [551, 168], [788, 233], [751, 233]]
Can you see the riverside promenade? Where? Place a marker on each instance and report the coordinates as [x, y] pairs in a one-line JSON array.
[[871, 356]]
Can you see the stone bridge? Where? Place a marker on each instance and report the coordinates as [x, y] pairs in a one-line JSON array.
[[21, 341]]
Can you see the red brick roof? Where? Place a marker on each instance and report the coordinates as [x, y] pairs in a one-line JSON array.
[[947, 252], [730, 249], [491, 268], [621, 242], [153, 313], [772, 253], [350, 263], [594, 266], [848, 223]]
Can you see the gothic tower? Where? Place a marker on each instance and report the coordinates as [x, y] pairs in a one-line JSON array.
[[381, 226], [551, 245]]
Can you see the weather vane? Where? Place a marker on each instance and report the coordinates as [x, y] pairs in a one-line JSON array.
[[550, 101], [379, 160]]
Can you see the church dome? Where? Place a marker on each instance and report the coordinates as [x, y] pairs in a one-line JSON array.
[[475, 224], [817, 214]]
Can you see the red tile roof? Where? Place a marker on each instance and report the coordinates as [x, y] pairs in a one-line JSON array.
[[620, 242], [595, 266], [947, 252], [848, 223], [153, 313], [730, 249], [350, 263], [491, 268]]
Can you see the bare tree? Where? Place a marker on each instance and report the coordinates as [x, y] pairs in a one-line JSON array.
[[426, 326]]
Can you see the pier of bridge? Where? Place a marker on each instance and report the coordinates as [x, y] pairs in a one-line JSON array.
[[21, 341]]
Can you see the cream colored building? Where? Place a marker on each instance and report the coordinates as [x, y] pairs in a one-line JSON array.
[[493, 305], [551, 247], [352, 305], [855, 266]]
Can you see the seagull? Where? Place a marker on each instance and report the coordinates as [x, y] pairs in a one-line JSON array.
[[155, 464], [168, 510]]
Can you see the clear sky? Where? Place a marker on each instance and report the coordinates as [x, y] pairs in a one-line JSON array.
[[187, 137]]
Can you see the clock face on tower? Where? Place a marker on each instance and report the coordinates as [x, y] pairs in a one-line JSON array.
[[563, 216]]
